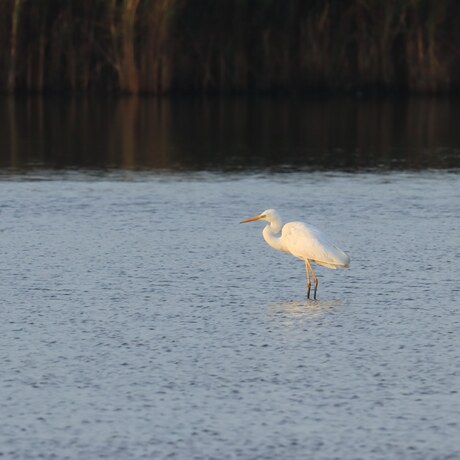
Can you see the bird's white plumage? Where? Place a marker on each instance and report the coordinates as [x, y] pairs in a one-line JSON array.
[[308, 243]]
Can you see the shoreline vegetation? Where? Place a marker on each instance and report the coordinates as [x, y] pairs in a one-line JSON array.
[[229, 46]]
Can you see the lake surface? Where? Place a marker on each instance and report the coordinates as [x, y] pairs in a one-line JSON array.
[[140, 320], [230, 134]]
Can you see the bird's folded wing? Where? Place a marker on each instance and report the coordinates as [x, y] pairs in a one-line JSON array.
[[307, 242]]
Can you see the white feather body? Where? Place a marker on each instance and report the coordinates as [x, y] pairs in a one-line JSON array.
[[308, 243]]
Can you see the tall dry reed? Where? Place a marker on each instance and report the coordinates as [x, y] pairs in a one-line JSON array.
[[229, 46]]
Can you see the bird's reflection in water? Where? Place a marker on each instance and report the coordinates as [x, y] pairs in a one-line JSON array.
[[303, 309]]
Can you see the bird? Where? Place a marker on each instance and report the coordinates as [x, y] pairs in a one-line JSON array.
[[303, 241]]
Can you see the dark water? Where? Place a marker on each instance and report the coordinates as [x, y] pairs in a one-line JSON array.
[[140, 320], [230, 134]]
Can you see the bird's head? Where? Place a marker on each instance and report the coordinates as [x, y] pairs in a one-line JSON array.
[[269, 215]]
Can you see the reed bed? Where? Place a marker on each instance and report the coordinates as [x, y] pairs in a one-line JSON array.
[[229, 46]]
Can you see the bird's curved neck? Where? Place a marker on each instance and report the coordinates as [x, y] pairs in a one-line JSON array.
[[270, 231]]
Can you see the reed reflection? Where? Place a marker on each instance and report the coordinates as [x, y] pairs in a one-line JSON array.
[[153, 133]]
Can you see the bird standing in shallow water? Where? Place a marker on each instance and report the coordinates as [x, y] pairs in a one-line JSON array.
[[303, 241]]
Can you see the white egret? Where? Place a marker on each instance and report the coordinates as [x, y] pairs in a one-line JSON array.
[[303, 241]]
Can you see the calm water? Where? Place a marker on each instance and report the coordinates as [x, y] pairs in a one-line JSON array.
[[325, 134], [140, 320]]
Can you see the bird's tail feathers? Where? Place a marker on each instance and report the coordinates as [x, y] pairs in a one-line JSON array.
[[331, 265]]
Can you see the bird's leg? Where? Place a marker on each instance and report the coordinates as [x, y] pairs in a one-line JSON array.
[[315, 279], [308, 280]]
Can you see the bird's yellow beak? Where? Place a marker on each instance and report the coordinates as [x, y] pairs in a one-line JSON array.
[[252, 219]]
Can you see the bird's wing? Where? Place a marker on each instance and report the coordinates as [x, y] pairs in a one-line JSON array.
[[307, 242]]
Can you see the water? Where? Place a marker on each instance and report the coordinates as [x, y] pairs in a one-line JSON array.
[[230, 134], [140, 320]]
